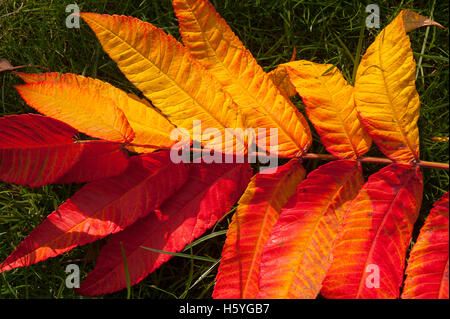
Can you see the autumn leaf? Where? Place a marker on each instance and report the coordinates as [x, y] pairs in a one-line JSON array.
[[152, 129], [168, 75], [211, 41], [98, 160], [281, 79], [36, 150], [296, 257], [97, 115], [370, 249], [289, 237], [330, 107], [101, 208], [385, 91], [427, 271], [257, 212], [209, 193]]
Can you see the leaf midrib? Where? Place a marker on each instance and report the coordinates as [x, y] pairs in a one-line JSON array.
[[377, 234], [389, 96], [106, 206]]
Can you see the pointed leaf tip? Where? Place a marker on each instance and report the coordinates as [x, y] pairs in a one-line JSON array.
[[412, 21]]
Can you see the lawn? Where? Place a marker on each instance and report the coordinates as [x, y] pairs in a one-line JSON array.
[[34, 33]]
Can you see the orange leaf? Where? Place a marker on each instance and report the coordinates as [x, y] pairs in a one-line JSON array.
[[211, 41], [295, 259], [368, 256], [330, 107], [427, 271], [257, 212], [83, 108], [151, 128]]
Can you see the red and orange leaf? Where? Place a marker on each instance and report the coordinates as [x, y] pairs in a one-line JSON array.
[[83, 108], [295, 259], [211, 41], [165, 72], [209, 193], [427, 270], [151, 128], [330, 106], [369, 253], [249, 230], [385, 91], [101, 208]]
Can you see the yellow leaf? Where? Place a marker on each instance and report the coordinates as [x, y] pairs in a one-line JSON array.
[[330, 107], [385, 91], [152, 129], [167, 74], [211, 41]]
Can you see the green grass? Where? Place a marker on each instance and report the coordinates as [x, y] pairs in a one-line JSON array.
[[322, 31]]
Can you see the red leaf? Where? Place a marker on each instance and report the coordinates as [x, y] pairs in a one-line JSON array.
[[36, 150], [210, 192], [98, 160], [257, 212], [370, 249], [295, 259], [427, 271], [101, 208]]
